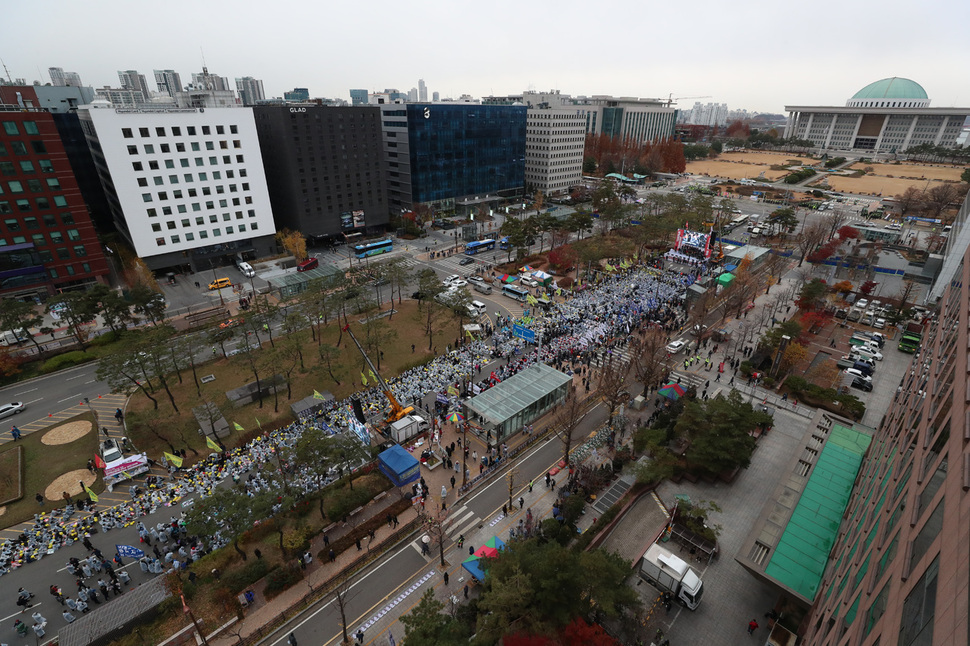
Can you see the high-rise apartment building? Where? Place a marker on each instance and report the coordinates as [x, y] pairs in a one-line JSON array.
[[899, 572], [358, 97], [132, 80], [47, 240], [208, 81], [325, 167], [186, 186], [168, 81], [453, 156], [422, 91], [121, 97], [436, 96], [413, 95], [250, 90], [61, 78]]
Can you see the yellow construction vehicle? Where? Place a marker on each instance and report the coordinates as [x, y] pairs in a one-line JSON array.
[[397, 411]]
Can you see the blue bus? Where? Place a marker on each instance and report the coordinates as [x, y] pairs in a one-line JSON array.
[[373, 248], [503, 244], [482, 245]]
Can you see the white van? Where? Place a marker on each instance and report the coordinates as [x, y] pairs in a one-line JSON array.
[[481, 287], [479, 307], [12, 338], [246, 269]]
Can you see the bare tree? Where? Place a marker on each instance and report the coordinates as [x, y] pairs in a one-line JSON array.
[[341, 595], [834, 221], [811, 236], [611, 385], [433, 522], [649, 357], [567, 417]]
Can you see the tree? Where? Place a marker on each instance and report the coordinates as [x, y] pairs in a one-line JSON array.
[[148, 303], [794, 354], [426, 624], [378, 334], [77, 311], [112, 306], [811, 237], [565, 420], [329, 355], [249, 356], [720, 432], [227, 511], [867, 287], [649, 354], [940, 197], [811, 295], [563, 257], [16, 316], [124, 372], [153, 346], [293, 242], [910, 200], [430, 287], [784, 219], [965, 176], [314, 454]]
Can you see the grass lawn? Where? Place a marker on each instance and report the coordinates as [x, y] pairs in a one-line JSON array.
[[43, 463], [168, 429]]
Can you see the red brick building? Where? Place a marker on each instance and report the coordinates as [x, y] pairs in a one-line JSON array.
[[47, 240]]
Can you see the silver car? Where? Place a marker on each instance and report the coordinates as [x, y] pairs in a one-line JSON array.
[[8, 410]]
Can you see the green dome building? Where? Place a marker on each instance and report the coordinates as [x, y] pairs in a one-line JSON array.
[[890, 115]]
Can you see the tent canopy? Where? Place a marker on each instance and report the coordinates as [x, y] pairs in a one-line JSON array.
[[725, 279], [399, 466]]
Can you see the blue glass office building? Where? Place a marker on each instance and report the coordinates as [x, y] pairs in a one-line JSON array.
[[465, 151]]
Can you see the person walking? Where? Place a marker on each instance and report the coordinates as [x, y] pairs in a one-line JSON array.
[[291, 640], [752, 626]]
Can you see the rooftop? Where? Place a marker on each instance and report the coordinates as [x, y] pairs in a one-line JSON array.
[[892, 88], [517, 393]]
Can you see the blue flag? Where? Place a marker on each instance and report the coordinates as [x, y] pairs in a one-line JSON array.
[[130, 551]]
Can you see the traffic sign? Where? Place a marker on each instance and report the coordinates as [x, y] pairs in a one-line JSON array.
[[523, 333]]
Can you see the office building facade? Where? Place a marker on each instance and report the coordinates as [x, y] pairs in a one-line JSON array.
[[888, 116], [453, 157], [324, 167], [250, 90], [186, 186], [422, 91], [900, 571], [47, 240], [298, 94], [642, 120], [555, 140], [358, 97], [132, 80]]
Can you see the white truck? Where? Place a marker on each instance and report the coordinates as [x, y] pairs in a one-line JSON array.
[[669, 573], [407, 427]]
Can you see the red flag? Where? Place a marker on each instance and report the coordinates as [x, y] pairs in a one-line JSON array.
[[98, 462]]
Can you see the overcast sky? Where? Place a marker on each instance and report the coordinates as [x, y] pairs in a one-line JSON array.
[[755, 55]]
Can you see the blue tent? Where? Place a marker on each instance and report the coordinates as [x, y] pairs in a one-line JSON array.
[[399, 466]]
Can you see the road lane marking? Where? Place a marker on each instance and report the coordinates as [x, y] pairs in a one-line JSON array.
[[24, 392], [67, 399]]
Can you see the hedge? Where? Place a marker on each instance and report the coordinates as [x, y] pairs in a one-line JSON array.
[[73, 358]]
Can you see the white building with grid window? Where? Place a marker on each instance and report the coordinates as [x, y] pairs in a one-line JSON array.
[[186, 186], [554, 142], [889, 116]]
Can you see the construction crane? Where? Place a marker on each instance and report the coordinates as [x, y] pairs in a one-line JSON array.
[[672, 99], [397, 411]]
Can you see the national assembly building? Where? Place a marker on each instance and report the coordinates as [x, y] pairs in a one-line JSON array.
[[888, 116]]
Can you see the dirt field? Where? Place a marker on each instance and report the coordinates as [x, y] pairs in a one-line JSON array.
[[917, 171], [875, 184], [67, 433], [746, 165]]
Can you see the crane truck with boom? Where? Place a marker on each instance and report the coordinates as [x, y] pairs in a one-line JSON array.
[[402, 423]]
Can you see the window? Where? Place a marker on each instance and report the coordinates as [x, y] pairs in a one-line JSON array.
[[15, 186], [27, 166], [60, 200], [206, 130], [184, 162], [181, 208], [53, 183], [225, 217], [160, 242], [79, 251], [216, 174], [239, 160], [195, 146], [242, 227], [199, 220], [919, 609], [31, 223], [73, 234], [67, 218], [176, 131], [166, 210], [10, 127], [236, 143], [146, 197], [203, 177], [46, 256], [40, 148], [190, 130], [70, 269], [152, 213], [63, 253], [203, 235], [173, 179], [175, 240], [163, 195], [223, 145], [253, 226], [86, 267], [5, 207], [196, 206], [143, 132], [18, 147], [199, 161], [169, 163], [132, 150], [188, 176], [220, 130], [53, 272], [153, 165], [213, 161], [12, 225], [216, 233], [34, 185], [126, 133], [30, 127], [3, 150], [165, 148], [38, 239], [149, 149], [156, 227], [228, 230], [210, 145], [50, 221], [142, 181], [213, 219], [7, 168], [233, 129], [189, 236], [160, 132], [43, 203]]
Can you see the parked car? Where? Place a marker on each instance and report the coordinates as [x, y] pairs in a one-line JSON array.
[[13, 408], [867, 351], [858, 358], [855, 372], [528, 282], [676, 346], [841, 314], [466, 261], [879, 323], [862, 384], [449, 279], [862, 303]]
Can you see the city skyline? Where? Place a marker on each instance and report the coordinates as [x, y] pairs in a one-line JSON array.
[[714, 57]]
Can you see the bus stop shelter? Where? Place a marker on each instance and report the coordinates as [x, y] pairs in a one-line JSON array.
[[508, 406], [293, 283]]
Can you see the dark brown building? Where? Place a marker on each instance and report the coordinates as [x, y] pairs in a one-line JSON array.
[[47, 240]]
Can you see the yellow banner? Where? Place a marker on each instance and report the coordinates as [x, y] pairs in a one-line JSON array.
[[174, 459], [93, 496], [212, 445], [238, 426]]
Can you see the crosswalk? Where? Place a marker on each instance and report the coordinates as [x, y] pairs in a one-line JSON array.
[[461, 521]]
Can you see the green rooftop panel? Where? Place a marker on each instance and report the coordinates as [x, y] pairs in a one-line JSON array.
[[892, 88], [799, 559]]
